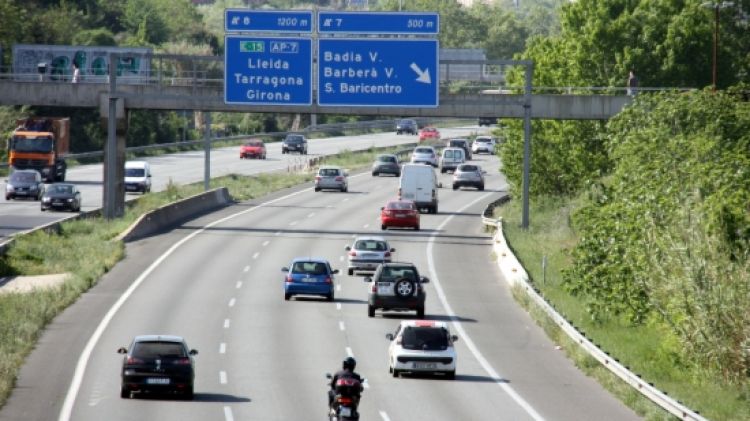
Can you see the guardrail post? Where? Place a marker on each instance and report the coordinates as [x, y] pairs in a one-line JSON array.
[[207, 150]]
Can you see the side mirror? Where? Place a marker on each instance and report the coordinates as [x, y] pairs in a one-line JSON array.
[[122, 350], [329, 376], [454, 338], [425, 280], [335, 271], [393, 250], [285, 269], [389, 336], [193, 352], [347, 248], [382, 208], [367, 279]]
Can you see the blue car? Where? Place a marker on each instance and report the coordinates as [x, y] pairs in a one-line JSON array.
[[309, 276]]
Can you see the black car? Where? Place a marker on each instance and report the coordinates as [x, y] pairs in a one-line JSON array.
[[487, 121], [61, 196], [396, 286], [294, 143], [461, 143], [24, 183], [157, 363], [407, 125]]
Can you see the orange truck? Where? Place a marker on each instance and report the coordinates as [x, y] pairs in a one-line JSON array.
[[40, 143]]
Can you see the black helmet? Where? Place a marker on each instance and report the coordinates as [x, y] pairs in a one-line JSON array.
[[349, 363]]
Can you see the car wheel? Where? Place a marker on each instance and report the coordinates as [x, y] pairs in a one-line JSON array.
[[7, 197], [442, 170], [383, 227], [398, 174], [370, 311], [451, 375], [416, 228], [455, 187], [317, 189], [395, 373], [344, 189], [330, 296], [124, 392], [350, 272], [404, 288], [43, 209], [374, 174], [188, 395], [420, 313], [481, 187], [287, 297]]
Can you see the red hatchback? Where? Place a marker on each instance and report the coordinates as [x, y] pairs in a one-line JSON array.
[[253, 149], [399, 213], [428, 133]]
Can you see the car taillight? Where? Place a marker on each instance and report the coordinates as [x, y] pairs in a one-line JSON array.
[[328, 280], [345, 400], [374, 288], [289, 278], [182, 361], [339, 178], [387, 254], [133, 360], [352, 253], [317, 178]]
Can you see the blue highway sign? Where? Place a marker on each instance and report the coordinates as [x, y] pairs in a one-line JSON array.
[[267, 71], [426, 23], [371, 72], [246, 20]]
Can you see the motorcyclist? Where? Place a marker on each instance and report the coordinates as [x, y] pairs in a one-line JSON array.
[[347, 371]]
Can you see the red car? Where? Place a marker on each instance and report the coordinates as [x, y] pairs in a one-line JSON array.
[[428, 133], [399, 213], [253, 149]]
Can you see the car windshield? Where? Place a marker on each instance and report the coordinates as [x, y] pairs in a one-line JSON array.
[[158, 350], [386, 158], [329, 172], [425, 338], [293, 139], [134, 172], [407, 122], [61, 189], [23, 177], [371, 245], [400, 205], [310, 268], [41, 144]]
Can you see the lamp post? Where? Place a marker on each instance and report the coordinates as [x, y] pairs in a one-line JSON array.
[[717, 6]]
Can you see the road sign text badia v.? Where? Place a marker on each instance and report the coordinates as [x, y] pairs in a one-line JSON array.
[[378, 72], [267, 71]]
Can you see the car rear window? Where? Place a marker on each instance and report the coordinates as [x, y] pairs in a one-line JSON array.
[[158, 350], [254, 144], [310, 268], [329, 172], [387, 158], [425, 338], [469, 168], [400, 205], [393, 273], [372, 245], [423, 150]]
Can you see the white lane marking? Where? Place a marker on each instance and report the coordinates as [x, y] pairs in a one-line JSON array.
[[366, 226], [384, 416], [246, 269], [311, 214], [278, 233], [366, 384], [341, 258], [354, 235], [239, 284], [349, 352], [293, 223], [75, 383], [228, 414], [345, 200], [222, 348], [265, 243], [231, 302], [223, 377], [338, 306], [256, 254], [338, 287], [435, 281], [341, 326]]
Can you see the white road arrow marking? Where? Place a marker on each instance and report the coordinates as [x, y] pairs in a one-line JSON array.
[[424, 76]]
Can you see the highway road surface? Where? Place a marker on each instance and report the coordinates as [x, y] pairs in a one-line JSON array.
[[216, 281]]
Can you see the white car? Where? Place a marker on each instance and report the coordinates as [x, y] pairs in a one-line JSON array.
[[367, 253], [424, 155], [484, 144], [422, 346]]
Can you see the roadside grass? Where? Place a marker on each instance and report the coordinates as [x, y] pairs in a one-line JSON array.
[[86, 249], [642, 348]]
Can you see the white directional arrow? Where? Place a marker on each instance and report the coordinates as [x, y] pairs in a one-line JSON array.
[[424, 76]]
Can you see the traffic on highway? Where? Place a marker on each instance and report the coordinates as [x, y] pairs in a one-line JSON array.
[[270, 292]]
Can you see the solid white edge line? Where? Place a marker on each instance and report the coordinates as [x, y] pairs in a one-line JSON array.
[[435, 281], [384, 416], [75, 384], [228, 414]]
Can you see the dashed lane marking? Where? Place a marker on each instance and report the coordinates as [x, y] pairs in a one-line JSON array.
[[231, 302], [222, 348], [226, 323], [223, 377], [228, 414]]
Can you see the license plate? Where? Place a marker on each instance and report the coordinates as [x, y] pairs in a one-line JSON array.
[[345, 411], [309, 279], [157, 380], [57, 203], [425, 366], [383, 290]]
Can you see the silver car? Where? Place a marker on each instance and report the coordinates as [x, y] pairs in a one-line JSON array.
[[367, 253], [386, 164], [331, 178], [468, 175], [424, 155]]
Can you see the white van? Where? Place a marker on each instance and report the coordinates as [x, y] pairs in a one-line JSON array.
[[451, 158], [419, 183], [137, 176]]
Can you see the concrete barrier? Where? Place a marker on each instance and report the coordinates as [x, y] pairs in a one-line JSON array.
[[174, 213]]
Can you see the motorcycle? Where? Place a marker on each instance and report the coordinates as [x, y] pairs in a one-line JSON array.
[[345, 399]]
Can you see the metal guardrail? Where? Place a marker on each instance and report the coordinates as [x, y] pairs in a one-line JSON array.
[[521, 278]]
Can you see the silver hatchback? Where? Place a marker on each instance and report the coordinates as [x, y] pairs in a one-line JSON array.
[[331, 178], [367, 253]]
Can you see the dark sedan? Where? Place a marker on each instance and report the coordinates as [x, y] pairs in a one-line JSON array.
[[61, 196], [158, 363], [24, 183]]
